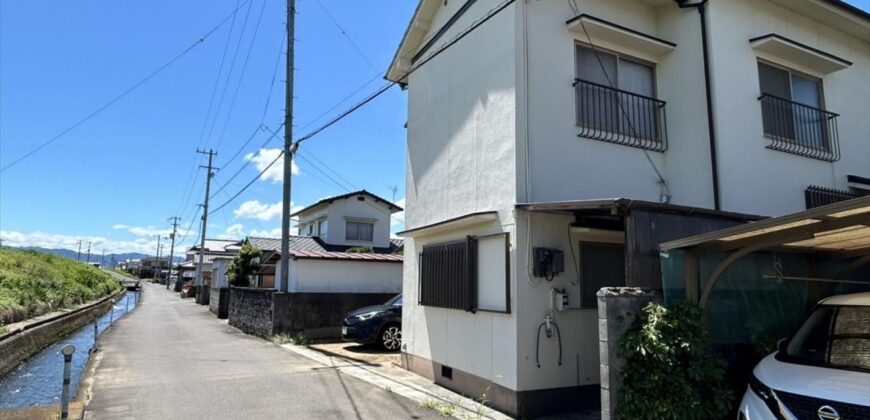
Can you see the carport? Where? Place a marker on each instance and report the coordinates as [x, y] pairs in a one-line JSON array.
[[840, 232], [756, 282]]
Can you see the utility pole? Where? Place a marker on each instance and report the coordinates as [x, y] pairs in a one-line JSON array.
[[79, 254], [157, 270], [89, 252], [289, 149], [103, 258], [199, 280], [174, 220]]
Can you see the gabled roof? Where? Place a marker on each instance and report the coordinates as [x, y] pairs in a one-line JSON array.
[[216, 245], [392, 207], [313, 244]]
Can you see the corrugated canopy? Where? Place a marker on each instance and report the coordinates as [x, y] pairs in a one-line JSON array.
[[842, 227]]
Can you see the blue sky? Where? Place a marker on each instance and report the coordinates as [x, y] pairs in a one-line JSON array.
[[117, 178]]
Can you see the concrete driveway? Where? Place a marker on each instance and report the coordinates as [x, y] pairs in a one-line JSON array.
[[172, 359]]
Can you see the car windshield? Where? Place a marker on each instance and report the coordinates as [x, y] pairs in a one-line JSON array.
[[834, 336], [395, 301]]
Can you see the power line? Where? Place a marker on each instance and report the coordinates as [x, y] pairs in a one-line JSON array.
[[229, 75], [124, 93], [247, 162], [248, 185], [242, 74], [493, 12], [217, 80], [343, 32]]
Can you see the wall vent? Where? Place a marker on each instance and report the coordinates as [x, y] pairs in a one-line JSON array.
[[447, 372]]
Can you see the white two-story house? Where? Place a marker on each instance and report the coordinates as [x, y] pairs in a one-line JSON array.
[[552, 145], [343, 246]]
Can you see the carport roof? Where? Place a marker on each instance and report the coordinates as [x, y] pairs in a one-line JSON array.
[[842, 227]]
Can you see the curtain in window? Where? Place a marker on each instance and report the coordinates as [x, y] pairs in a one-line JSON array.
[[359, 231], [596, 105], [809, 122], [637, 114]]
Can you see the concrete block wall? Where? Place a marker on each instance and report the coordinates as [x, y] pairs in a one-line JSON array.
[[618, 307], [250, 310], [219, 301], [318, 315]]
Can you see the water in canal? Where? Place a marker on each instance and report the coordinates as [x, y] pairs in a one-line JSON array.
[[38, 381]]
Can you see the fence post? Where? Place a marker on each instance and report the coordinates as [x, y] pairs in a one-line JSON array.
[[111, 311], [96, 332], [67, 352]]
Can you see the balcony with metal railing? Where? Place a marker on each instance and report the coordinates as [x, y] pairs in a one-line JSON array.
[[619, 116], [800, 129]]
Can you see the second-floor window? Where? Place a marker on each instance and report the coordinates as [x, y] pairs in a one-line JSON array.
[[793, 114], [322, 228], [616, 99], [359, 231]]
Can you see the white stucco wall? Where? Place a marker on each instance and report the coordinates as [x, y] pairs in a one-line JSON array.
[[461, 159], [330, 276], [748, 170], [339, 211], [481, 343]]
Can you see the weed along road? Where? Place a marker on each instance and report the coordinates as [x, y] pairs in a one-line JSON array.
[[172, 359]]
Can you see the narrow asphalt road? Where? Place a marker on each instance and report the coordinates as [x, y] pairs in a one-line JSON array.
[[172, 359]]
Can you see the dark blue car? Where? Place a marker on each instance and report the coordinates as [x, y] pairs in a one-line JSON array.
[[381, 325]]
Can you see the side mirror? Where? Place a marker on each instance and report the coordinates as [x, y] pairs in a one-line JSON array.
[[781, 345]]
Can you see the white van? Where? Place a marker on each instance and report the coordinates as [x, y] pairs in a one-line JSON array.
[[823, 372]]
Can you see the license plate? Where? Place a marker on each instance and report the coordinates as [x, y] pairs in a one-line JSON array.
[[343, 330]]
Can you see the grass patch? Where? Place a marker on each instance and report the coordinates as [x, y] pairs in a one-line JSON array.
[[297, 339], [33, 283]]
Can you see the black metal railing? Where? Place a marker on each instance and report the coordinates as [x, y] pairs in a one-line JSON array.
[[821, 196], [800, 129], [618, 116]]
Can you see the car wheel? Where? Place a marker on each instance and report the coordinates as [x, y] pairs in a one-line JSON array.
[[391, 337]]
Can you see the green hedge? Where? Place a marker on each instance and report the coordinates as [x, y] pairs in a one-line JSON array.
[[33, 283]]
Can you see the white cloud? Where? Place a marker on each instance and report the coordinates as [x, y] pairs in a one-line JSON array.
[[236, 231], [145, 245], [265, 233], [149, 231], [254, 209], [264, 157]]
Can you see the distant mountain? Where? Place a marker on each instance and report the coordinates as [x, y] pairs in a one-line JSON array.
[[108, 261]]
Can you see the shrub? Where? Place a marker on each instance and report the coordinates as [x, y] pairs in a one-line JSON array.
[[360, 250], [243, 265], [669, 371]]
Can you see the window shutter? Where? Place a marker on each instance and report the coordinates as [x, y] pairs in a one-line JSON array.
[[448, 275]]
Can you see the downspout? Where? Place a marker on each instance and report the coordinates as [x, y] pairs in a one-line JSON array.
[[714, 166]]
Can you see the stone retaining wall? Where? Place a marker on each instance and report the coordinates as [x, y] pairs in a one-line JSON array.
[[318, 315], [17, 347], [617, 309], [219, 302], [250, 310]]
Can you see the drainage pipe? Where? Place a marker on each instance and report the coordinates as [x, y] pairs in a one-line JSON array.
[[714, 166]]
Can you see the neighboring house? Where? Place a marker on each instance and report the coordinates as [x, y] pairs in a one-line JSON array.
[[552, 148], [358, 222], [346, 261], [214, 248], [152, 267]]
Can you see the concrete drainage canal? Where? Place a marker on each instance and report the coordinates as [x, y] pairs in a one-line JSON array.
[[38, 381]]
